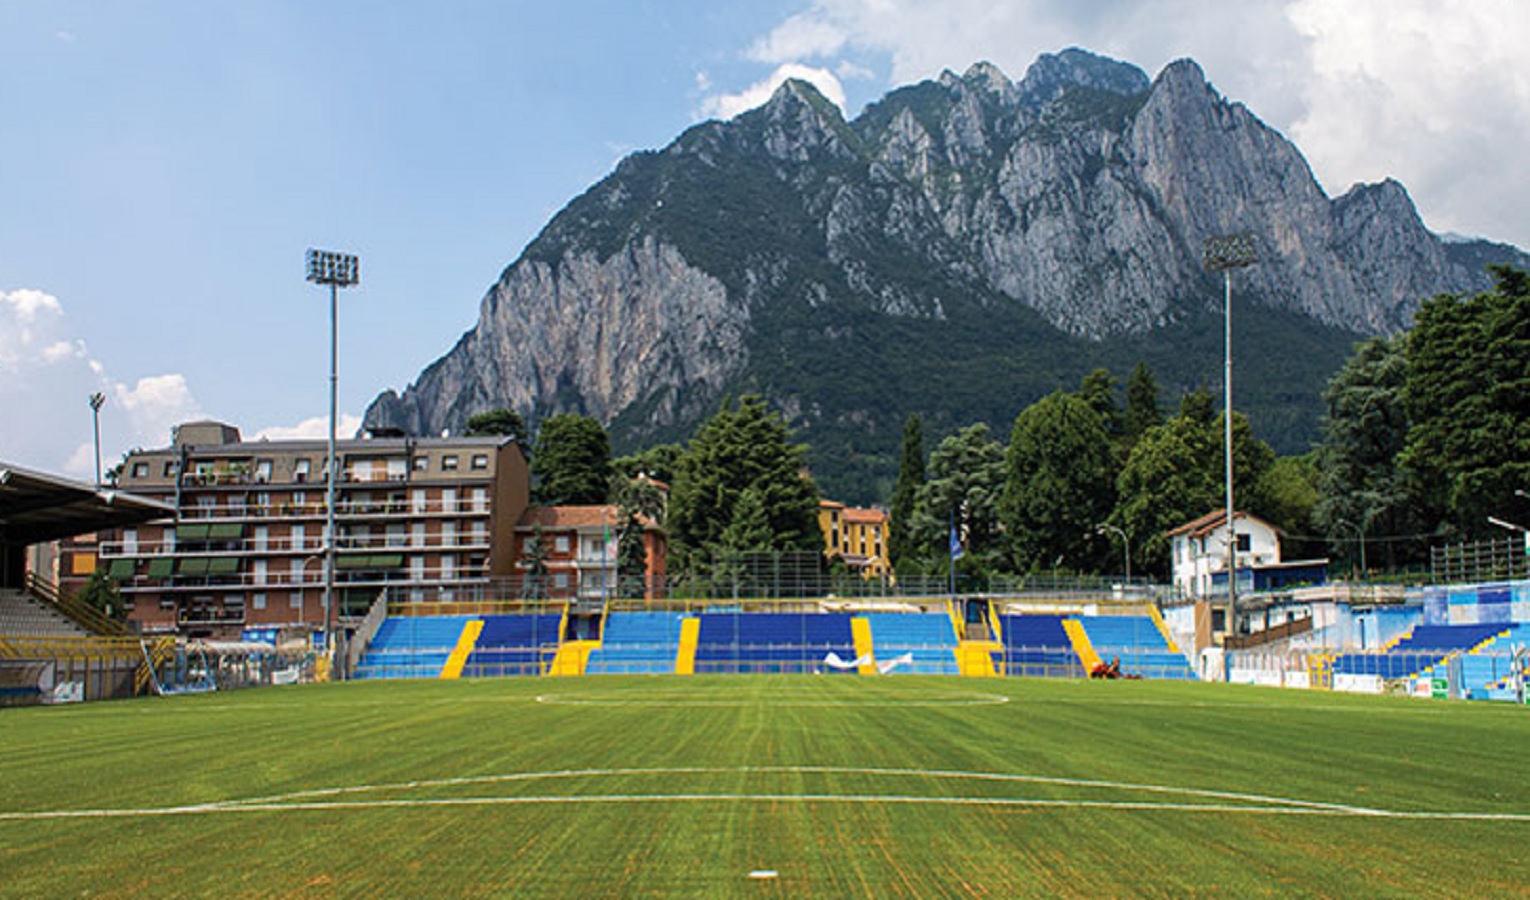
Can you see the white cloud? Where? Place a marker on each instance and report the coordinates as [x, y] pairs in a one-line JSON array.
[[726, 106], [315, 428], [58, 351], [46, 378], [800, 37]]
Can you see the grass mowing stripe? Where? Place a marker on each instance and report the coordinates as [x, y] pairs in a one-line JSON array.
[[681, 786]]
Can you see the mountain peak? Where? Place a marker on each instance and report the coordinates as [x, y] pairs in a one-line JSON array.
[[1052, 74]]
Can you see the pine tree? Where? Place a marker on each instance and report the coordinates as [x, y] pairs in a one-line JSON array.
[[910, 479]]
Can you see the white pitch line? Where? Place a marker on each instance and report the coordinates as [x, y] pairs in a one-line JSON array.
[[1001, 802], [617, 700], [1253, 803]]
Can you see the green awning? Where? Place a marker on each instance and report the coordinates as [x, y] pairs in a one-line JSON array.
[[121, 568], [161, 568], [222, 565], [383, 561], [191, 532], [225, 531], [194, 566]]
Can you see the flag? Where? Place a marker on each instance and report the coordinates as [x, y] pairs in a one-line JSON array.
[[956, 545]]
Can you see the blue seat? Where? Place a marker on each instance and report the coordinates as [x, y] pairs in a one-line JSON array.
[[637, 643], [928, 638], [410, 647], [771, 642]]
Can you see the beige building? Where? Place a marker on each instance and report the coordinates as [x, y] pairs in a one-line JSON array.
[[246, 550], [857, 536]]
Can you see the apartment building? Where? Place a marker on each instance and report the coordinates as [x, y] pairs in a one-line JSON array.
[[246, 549], [577, 548]]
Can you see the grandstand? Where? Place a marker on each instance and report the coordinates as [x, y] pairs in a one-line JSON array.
[[1421, 649]]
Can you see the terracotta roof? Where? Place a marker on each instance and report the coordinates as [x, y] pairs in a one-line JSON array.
[[855, 516], [830, 504], [1211, 522], [569, 517]]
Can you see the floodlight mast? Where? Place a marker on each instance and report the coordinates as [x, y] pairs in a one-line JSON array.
[[337, 270], [97, 400], [1223, 254]]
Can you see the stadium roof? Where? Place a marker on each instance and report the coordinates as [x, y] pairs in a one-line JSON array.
[[35, 507]]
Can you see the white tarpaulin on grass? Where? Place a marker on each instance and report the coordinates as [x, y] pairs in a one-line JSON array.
[[833, 661]]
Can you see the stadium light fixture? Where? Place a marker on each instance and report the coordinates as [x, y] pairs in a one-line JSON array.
[[97, 400], [337, 270], [1224, 254], [1126, 545]]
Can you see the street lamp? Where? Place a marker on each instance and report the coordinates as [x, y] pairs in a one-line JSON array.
[[337, 270], [1126, 545], [1361, 534], [97, 400], [1223, 254]]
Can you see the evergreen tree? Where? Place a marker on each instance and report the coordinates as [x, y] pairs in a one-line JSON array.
[[1060, 473], [742, 447], [910, 478], [534, 565], [572, 462], [500, 421], [966, 479], [1142, 410], [1362, 492], [1176, 473], [631, 556], [1098, 389], [1467, 390]]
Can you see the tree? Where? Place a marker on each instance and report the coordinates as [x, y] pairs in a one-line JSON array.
[[656, 462], [1098, 389], [1466, 390], [571, 465], [1142, 410], [100, 592], [910, 478], [534, 561], [1288, 494], [1060, 473], [1362, 492], [966, 479], [1175, 473], [741, 448], [498, 421], [631, 555]]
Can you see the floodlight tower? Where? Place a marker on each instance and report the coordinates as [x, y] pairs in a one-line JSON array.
[[337, 270], [1223, 254], [97, 400]]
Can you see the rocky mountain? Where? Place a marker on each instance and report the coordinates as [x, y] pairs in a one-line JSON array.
[[959, 249]]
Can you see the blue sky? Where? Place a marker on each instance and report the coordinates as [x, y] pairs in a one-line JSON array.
[[164, 165]]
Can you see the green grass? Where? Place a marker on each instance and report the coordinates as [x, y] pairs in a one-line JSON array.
[[666, 787]]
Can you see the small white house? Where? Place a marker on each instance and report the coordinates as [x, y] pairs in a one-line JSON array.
[[1199, 549]]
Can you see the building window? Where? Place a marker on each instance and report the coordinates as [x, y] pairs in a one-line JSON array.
[[422, 463], [262, 471], [449, 463], [301, 469], [560, 544], [1245, 543], [295, 600], [140, 470], [171, 468], [480, 461], [258, 601]]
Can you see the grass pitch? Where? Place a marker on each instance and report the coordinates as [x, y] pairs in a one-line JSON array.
[[764, 786]]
